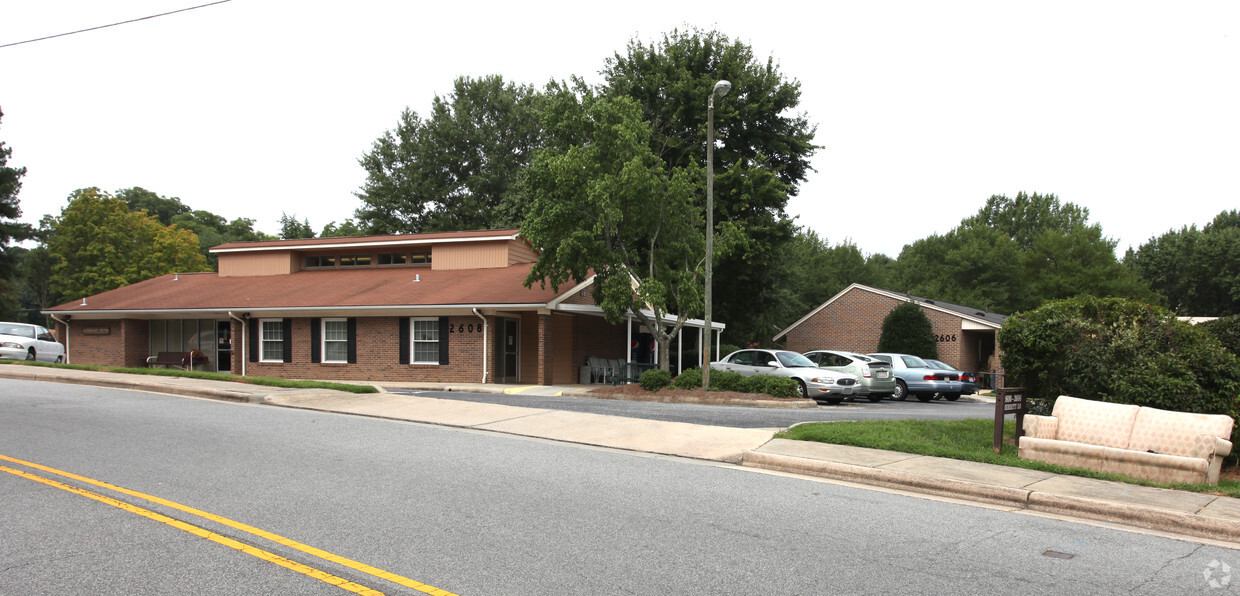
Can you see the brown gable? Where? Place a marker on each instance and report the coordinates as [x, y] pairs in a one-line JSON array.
[[370, 287]]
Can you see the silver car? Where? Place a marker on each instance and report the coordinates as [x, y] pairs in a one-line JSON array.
[[815, 383], [874, 377], [23, 341], [914, 376]]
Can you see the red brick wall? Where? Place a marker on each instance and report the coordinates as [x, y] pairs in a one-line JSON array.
[[124, 344], [854, 322], [570, 339], [378, 355]]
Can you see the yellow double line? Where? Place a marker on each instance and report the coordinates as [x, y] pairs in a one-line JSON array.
[[207, 534]]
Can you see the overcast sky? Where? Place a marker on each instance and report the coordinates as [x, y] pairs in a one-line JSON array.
[[253, 108]]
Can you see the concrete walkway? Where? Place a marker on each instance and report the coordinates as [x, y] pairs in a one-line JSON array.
[[1173, 511]]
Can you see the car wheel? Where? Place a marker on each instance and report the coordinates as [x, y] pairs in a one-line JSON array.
[[876, 397], [925, 397], [30, 354], [60, 359], [804, 390], [901, 393], [951, 396]]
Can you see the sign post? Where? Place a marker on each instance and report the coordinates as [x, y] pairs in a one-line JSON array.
[[1009, 400]]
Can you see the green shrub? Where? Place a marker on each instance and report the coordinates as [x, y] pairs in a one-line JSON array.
[[655, 379], [1227, 330], [1116, 350], [907, 330], [772, 385], [689, 379], [722, 380]]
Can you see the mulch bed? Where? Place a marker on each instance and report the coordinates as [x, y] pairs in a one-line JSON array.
[[635, 392]]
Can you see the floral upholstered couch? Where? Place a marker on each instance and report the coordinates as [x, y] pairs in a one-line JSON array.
[[1149, 443]]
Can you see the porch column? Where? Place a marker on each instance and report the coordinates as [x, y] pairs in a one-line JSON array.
[[546, 350]]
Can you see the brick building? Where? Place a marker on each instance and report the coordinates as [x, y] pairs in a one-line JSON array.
[[445, 307], [853, 321]]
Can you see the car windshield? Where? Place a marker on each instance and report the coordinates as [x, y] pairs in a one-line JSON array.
[[914, 362], [18, 330], [794, 360]]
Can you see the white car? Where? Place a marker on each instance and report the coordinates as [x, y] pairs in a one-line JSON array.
[[815, 383], [23, 341]]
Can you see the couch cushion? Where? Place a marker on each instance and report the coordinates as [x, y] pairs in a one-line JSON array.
[[1175, 433], [1094, 422]]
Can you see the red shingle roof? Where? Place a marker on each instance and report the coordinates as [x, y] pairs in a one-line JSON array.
[[349, 288]]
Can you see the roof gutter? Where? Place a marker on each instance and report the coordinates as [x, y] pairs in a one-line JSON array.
[[64, 322]]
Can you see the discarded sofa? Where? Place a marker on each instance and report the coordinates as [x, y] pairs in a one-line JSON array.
[[1137, 441]]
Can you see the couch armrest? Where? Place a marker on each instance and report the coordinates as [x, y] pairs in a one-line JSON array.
[[1210, 446], [1041, 427]]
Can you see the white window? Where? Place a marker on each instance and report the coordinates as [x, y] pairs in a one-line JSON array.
[[335, 340], [425, 336], [272, 340]]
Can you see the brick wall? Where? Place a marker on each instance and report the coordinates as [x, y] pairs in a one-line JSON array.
[[111, 342], [854, 322], [378, 355]]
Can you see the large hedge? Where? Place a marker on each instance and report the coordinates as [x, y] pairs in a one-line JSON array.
[[1116, 350], [1227, 330], [907, 330]]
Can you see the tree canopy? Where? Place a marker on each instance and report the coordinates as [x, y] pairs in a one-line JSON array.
[[10, 229], [608, 207], [763, 151], [456, 169], [98, 244], [1015, 253], [1197, 272]]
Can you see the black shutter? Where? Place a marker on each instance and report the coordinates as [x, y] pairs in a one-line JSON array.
[[352, 324], [254, 347], [316, 345], [288, 340], [445, 329], [403, 322]]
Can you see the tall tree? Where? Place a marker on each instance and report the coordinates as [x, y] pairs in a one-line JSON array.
[[10, 228], [608, 206], [162, 208], [456, 169], [213, 230], [291, 229], [99, 244], [347, 228], [1197, 272], [763, 152], [813, 271], [1015, 253]]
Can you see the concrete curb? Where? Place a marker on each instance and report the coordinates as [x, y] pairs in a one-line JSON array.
[[1044, 502], [1141, 517], [996, 495]]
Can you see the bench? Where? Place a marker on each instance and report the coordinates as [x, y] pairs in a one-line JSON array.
[[1137, 441], [182, 360]]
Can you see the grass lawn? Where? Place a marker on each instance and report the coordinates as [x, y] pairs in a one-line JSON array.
[[971, 440], [209, 376]]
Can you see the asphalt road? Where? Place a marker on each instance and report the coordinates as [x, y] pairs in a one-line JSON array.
[[485, 513], [731, 416]]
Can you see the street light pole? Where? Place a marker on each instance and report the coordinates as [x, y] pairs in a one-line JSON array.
[[721, 89]]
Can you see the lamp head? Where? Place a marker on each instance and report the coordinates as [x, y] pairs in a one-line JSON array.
[[722, 88]]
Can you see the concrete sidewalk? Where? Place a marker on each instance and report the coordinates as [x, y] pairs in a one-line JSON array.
[[1173, 511]]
